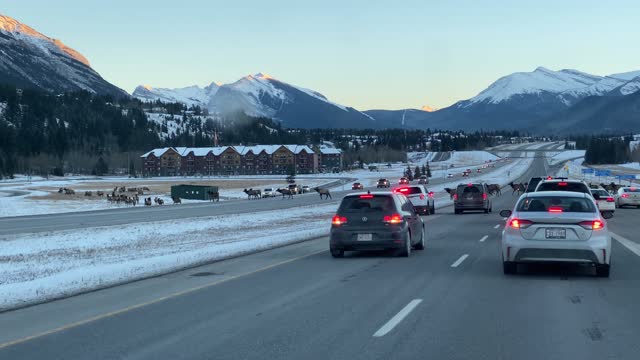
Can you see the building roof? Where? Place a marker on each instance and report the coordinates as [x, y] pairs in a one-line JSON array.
[[156, 152], [243, 150], [330, 151]]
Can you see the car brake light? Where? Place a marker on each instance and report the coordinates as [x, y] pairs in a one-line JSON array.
[[484, 196], [469, 184], [393, 219], [519, 223], [430, 194], [610, 199], [562, 184], [455, 196], [592, 225], [338, 220], [555, 209], [549, 177], [366, 196], [632, 189], [421, 196], [625, 195]]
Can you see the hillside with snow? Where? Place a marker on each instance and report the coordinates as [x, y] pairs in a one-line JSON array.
[[33, 60]]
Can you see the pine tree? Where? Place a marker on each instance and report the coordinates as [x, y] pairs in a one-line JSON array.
[[416, 172], [428, 171]]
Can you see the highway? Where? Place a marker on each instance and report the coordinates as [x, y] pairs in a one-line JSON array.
[[140, 214], [450, 301]]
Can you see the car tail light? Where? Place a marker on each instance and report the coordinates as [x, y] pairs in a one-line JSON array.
[[484, 196], [549, 177], [455, 196], [393, 219], [592, 225], [366, 196], [555, 209], [469, 184], [520, 223], [562, 184], [610, 199], [625, 195], [430, 194], [421, 196], [338, 220]]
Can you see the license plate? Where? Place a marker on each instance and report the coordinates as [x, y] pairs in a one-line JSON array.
[[554, 233], [364, 237]]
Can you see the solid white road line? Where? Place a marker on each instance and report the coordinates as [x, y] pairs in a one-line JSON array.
[[484, 238], [397, 318], [633, 246], [497, 226], [505, 219], [459, 261]]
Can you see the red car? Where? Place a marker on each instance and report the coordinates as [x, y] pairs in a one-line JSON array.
[[357, 186]]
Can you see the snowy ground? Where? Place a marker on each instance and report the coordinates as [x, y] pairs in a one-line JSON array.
[[574, 170], [22, 196], [39, 267], [566, 155], [634, 166]]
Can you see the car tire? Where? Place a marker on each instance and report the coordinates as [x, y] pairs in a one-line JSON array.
[[509, 267], [486, 211], [602, 270], [420, 245], [337, 253], [433, 209], [406, 252]]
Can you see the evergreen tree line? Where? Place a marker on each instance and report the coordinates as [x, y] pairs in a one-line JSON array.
[[603, 150]]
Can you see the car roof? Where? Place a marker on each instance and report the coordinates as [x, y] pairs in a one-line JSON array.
[[564, 180], [554, 194]]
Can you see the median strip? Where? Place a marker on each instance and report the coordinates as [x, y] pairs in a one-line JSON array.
[[397, 318]]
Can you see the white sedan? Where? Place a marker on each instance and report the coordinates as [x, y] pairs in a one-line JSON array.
[[604, 200], [556, 226]]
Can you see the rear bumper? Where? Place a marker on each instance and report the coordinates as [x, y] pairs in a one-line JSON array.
[[471, 205], [628, 202], [596, 250], [346, 240]]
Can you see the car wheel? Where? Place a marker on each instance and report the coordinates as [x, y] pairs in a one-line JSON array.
[[486, 211], [406, 252], [509, 267], [420, 245], [433, 209], [603, 270], [337, 253]]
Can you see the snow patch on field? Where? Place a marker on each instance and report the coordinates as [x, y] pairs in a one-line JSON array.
[[39, 267], [566, 155]]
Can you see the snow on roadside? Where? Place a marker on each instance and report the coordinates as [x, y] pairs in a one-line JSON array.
[[40, 267], [566, 155]]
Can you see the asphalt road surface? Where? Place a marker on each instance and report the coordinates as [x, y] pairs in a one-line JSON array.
[[450, 301]]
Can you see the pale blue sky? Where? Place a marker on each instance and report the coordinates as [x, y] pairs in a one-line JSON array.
[[366, 54]]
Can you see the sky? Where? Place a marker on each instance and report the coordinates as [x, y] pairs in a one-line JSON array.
[[366, 54]]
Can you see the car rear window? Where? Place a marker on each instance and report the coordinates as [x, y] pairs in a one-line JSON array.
[[600, 192], [363, 203], [548, 203], [533, 183], [268, 189], [564, 186], [635, 190], [465, 189]]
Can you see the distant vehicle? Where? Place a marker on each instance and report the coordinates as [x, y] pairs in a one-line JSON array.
[[466, 173], [533, 183], [604, 200], [420, 197], [268, 192], [472, 196], [628, 196], [492, 165], [556, 226], [423, 179], [383, 183], [376, 221], [306, 189], [479, 170], [562, 184], [449, 175], [403, 181], [357, 186]]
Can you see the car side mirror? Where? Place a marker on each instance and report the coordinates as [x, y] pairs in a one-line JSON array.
[[505, 213], [596, 196], [607, 214]]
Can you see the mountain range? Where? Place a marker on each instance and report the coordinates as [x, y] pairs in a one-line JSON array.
[[540, 101], [32, 60]]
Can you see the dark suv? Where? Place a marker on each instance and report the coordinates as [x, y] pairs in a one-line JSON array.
[[533, 182], [376, 221], [472, 196], [383, 183], [560, 184]]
